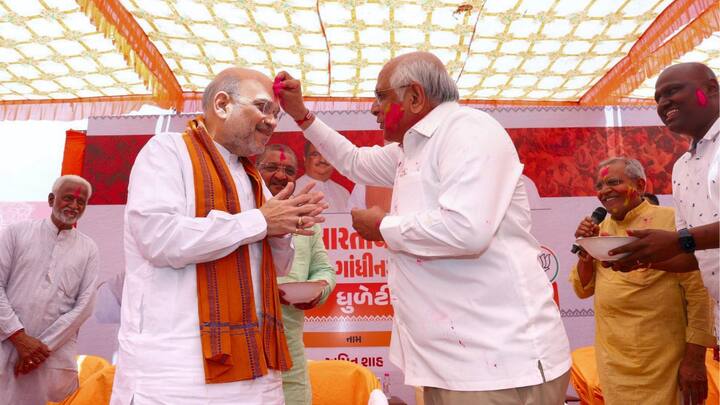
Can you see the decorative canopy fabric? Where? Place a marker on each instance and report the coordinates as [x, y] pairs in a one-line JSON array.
[[591, 52]]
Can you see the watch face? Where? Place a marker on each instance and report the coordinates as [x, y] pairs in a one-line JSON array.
[[687, 243]]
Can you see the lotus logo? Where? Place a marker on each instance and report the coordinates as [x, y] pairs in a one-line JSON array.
[[549, 262]]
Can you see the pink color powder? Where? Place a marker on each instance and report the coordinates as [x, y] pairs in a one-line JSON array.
[[393, 115], [277, 86], [604, 172], [701, 98]]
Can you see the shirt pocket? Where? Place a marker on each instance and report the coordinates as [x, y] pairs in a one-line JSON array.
[[68, 282]]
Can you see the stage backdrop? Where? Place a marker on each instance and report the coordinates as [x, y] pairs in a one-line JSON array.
[[560, 148]]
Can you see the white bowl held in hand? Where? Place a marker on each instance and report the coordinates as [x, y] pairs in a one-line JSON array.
[[300, 292], [599, 246]]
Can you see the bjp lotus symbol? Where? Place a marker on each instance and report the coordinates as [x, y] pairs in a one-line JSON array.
[[549, 263]]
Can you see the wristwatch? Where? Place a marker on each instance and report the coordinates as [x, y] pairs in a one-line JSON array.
[[686, 240]]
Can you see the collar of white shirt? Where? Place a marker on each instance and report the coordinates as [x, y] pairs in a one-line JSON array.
[[429, 123], [226, 154], [57, 232], [710, 135]]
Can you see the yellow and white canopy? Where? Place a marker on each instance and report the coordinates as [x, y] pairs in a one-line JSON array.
[[110, 55]]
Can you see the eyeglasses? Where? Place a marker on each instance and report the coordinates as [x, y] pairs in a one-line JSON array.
[[273, 168], [265, 106], [379, 94], [610, 182]]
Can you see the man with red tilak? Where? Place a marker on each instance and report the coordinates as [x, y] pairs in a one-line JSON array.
[[47, 288], [475, 322], [688, 103]]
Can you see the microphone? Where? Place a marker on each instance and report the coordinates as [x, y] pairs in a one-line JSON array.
[[597, 216]]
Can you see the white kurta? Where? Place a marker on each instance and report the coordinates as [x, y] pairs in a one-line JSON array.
[[160, 353], [47, 287], [695, 189], [474, 310], [336, 195]]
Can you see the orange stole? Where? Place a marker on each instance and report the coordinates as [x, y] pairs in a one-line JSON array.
[[233, 346]]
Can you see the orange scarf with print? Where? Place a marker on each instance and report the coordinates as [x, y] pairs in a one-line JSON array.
[[234, 348]]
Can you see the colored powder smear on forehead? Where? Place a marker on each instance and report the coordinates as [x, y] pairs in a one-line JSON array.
[[77, 191], [393, 113], [604, 172], [282, 156], [701, 98]]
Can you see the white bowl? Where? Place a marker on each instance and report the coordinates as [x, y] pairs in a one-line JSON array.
[[300, 292], [599, 246]]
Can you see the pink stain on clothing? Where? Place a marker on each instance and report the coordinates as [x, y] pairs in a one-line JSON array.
[[701, 98], [393, 114]]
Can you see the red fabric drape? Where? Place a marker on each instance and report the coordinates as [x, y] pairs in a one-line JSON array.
[[74, 152]]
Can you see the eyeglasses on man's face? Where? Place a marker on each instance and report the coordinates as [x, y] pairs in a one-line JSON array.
[[380, 95], [265, 106], [610, 182], [274, 168]]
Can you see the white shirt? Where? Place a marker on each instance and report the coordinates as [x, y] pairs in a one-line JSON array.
[[47, 287], [694, 203], [335, 195], [474, 310], [160, 353]]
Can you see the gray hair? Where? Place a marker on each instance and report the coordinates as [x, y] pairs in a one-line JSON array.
[[71, 178], [633, 167], [278, 147], [228, 84], [437, 83]]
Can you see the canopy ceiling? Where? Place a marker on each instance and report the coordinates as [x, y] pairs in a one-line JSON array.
[[590, 52]]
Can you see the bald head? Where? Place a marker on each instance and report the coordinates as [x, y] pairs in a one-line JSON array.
[[425, 69], [230, 81], [687, 99], [690, 70]]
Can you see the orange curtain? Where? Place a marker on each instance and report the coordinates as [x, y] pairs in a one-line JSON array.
[[74, 152], [658, 46]]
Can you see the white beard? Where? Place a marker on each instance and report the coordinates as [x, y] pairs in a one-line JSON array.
[[60, 216]]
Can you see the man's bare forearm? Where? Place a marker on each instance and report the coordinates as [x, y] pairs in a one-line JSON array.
[[682, 263]]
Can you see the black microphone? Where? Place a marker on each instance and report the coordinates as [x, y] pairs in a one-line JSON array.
[[597, 216]]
